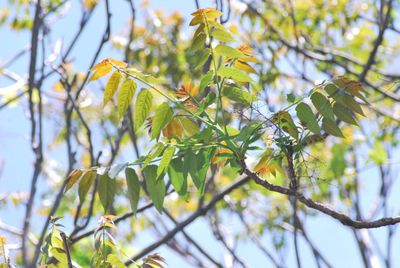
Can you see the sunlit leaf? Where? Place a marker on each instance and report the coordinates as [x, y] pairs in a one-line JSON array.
[[111, 86], [161, 118], [85, 183], [143, 104], [222, 35], [125, 95], [227, 51], [73, 177], [165, 160], [239, 95], [235, 74]]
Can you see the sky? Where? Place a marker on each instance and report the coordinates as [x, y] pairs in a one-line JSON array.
[[332, 238]]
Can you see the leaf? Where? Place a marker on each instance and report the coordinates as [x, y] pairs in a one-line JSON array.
[[331, 89], [143, 104], [307, 117], [116, 169], [106, 191], [322, 105], [236, 94], [155, 151], [190, 128], [165, 160], [73, 177], [161, 118], [244, 66], [330, 127], [205, 80], [198, 42], [344, 114], [59, 255], [175, 173], [114, 261], [222, 35], [204, 14], [235, 74], [156, 188], [352, 104], [100, 72], [132, 181], [338, 162], [85, 184], [227, 51], [284, 121], [378, 153], [174, 129], [111, 87], [198, 167], [125, 95], [202, 57]]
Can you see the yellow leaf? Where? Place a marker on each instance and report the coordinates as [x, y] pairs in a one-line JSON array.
[[73, 177], [112, 86], [174, 129], [241, 65], [204, 14], [100, 72]]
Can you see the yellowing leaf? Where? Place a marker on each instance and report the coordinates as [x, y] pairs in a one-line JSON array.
[[244, 66], [111, 86], [204, 14], [187, 90], [85, 183], [73, 177], [284, 121], [125, 95], [174, 129], [143, 104], [100, 72]]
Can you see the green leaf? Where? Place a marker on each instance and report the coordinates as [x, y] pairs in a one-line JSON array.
[[156, 188], [175, 173], [125, 95], [378, 153], [352, 104], [198, 165], [165, 160], [205, 80], [344, 114], [85, 183], [198, 42], [190, 128], [111, 87], [132, 181], [143, 104], [106, 191], [155, 151], [73, 177], [222, 35], [322, 105], [236, 94], [307, 117], [330, 127], [331, 89], [202, 57], [338, 162], [60, 255], [235, 74], [161, 118], [285, 121], [227, 51]]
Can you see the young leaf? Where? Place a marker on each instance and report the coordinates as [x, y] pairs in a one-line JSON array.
[[205, 80], [322, 104], [198, 42], [85, 183], [165, 160], [307, 117], [222, 35], [155, 151], [330, 127], [344, 114], [132, 181], [156, 188], [142, 107], [235, 74], [161, 118], [236, 94], [111, 87], [106, 191], [227, 51], [125, 95]]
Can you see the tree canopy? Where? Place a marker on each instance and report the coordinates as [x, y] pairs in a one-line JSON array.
[[253, 120]]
